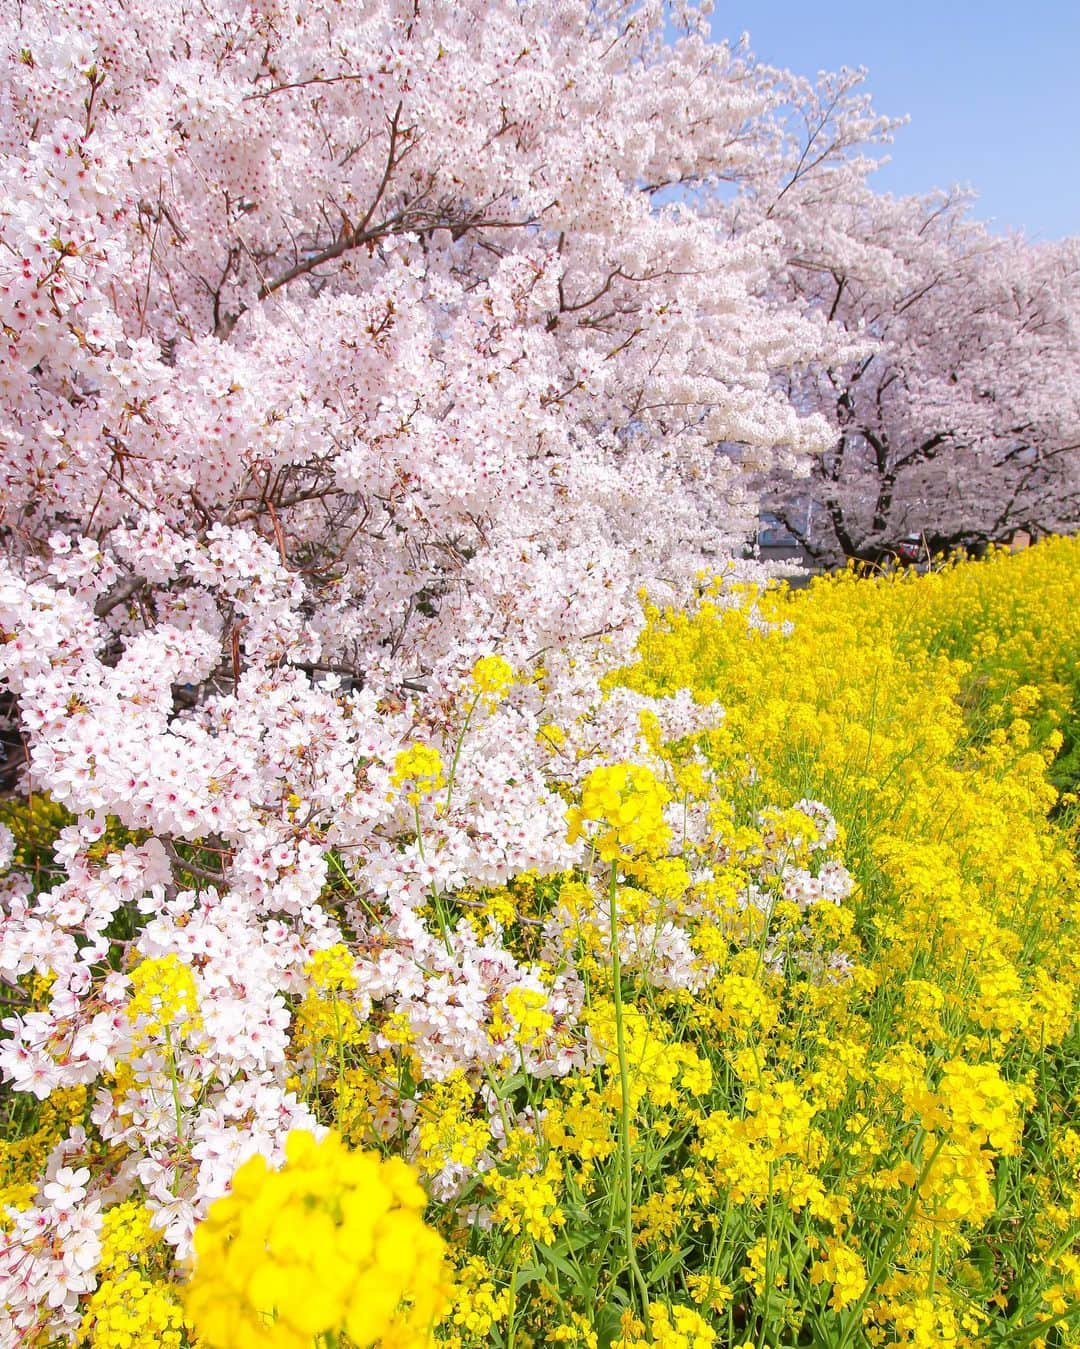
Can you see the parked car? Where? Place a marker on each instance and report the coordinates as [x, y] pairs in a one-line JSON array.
[[912, 550]]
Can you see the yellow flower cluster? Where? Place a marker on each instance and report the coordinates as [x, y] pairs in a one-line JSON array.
[[130, 1311], [422, 767], [670, 1328], [164, 999], [477, 1306], [579, 1123], [982, 1108], [622, 812], [492, 675], [333, 969], [528, 1011], [135, 1305], [449, 1132], [331, 1244], [327, 1018], [845, 1273], [529, 1203]]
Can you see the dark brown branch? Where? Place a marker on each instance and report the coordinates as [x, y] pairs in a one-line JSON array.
[[117, 595]]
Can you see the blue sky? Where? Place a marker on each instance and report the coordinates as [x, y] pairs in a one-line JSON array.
[[991, 89]]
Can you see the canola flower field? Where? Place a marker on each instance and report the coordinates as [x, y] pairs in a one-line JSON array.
[[824, 1087]]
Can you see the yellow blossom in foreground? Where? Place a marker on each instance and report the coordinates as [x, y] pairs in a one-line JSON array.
[[164, 999], [492, 675], [333, 1243], [421, 765], [627, 802]]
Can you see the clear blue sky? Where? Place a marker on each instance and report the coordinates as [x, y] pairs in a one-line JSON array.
[[992, 89]]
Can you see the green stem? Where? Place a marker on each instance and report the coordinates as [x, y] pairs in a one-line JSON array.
[[511, 1328], [457, 752], [436, 898], [335, 862], [770, 1262], [501, 1103], [894, 1241], [173, 1081], [340, 1042], [176, 1104], [624, 1102]]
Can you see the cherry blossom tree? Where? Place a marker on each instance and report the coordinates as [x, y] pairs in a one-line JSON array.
[[343, 345], [356, 344], [391, 293], [960, 422]]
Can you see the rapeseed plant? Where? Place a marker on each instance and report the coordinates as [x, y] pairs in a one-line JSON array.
[[331, 1244], [790, 1059]]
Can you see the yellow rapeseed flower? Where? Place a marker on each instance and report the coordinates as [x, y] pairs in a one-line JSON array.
[[333, 1243], [492, 675], [622, 812]]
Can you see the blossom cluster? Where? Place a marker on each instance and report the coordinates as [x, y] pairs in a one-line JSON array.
[[333, 1242]]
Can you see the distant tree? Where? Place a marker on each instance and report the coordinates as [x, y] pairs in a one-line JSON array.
[[961, 419]]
